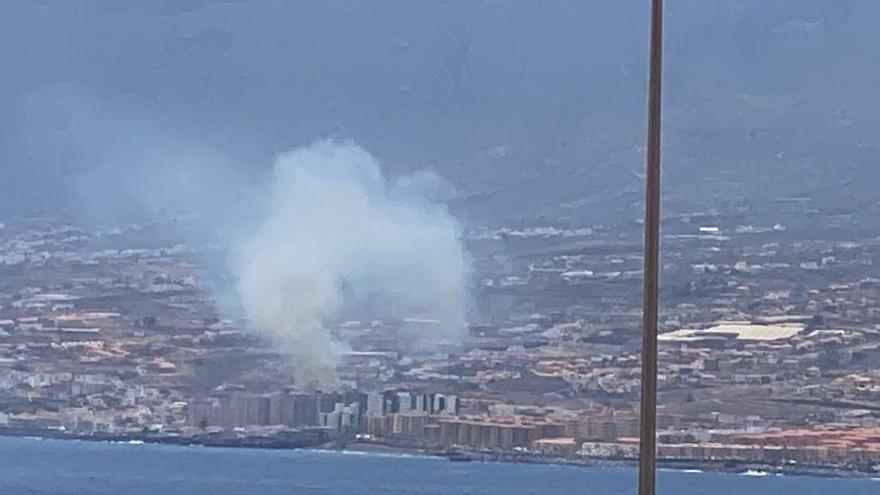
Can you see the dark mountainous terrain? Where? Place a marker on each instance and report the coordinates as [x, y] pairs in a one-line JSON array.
[[530, 108]]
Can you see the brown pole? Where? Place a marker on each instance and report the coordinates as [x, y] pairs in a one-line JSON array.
[[648, 444]]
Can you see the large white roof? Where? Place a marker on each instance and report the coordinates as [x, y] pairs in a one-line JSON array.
[[740, 331]]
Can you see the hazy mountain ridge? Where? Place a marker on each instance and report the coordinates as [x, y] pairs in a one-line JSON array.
[[528, 107]]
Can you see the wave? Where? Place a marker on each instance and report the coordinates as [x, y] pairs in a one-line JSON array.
[[384, 454], [369, 453], [680, 470]]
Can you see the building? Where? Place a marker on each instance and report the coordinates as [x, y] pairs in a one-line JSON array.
[[486, 432]]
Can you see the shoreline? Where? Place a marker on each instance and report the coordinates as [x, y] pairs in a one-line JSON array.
[[674, 465], [695, 466], [298, 440]]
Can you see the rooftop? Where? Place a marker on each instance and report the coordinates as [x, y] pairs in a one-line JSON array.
[[739, 331]]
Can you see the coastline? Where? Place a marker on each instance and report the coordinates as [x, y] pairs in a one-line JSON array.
[[677, 465], [312, 443], [297, 440]]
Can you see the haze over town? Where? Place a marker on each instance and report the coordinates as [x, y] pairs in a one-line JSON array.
[[417, 226]]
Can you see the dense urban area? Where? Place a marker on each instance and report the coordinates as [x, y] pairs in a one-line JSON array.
[[770, 339]]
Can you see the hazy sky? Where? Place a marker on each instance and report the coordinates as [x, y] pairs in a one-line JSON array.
[[495, 95]]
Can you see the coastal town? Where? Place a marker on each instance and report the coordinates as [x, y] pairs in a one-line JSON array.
[[769, 344]]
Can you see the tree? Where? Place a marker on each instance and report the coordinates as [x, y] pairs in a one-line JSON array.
[[829, 358]]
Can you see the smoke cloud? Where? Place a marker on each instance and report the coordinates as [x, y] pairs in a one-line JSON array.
[[338, 233], [320, 236]]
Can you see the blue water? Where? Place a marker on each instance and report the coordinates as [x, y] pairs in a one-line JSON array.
[[53, 467]]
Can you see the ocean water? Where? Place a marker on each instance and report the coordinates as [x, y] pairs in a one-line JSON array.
[[55, 467]]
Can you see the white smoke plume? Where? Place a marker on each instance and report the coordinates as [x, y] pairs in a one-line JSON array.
[[325, 232], [337, 231]]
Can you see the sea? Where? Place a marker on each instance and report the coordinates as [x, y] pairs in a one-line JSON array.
[[68, 467]]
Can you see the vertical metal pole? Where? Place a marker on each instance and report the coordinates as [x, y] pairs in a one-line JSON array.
[[648, 447]]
